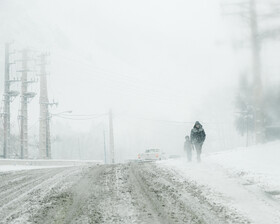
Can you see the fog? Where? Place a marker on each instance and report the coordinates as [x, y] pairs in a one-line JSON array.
[[159, 65]]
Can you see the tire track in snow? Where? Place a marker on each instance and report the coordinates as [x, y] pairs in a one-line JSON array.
[[22, 203], [121, 193], [185, 201], [151, 207], [15, 188]]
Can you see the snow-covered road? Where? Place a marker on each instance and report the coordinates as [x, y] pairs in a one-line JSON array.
[[123, 193]]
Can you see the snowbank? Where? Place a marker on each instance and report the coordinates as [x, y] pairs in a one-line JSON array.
[[8, 168], [16, 164], [247, 179], [257, 164]]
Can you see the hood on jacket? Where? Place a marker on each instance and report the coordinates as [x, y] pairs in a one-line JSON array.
[[197, 123]]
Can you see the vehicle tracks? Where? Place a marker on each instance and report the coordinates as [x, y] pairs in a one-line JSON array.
[[121, 193]]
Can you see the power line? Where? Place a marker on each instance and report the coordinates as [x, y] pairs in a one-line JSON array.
[[84, 115], [173, 121], [81, 119], [125, 79]]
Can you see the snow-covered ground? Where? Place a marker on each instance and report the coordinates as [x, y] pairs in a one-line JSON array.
[[8, 168], [247, 179], [240, 186], [118, 194], [7, 165]]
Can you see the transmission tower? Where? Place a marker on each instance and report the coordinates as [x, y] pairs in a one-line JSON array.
[[25, 98]]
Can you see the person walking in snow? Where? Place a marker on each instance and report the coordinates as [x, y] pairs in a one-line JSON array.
[[197, 138], [188, 148]]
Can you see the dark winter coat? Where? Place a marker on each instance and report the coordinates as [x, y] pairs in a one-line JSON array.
[[197, 134]]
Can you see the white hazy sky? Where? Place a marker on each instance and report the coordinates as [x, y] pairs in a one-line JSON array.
[[159, 59], [151, 58]]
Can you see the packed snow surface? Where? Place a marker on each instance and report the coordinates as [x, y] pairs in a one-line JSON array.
[[121, 193]]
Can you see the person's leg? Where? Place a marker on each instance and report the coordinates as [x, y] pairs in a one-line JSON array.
[[198, 151]]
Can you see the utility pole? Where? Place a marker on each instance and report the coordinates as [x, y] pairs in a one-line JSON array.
[[79, 144], [249, 12], [25, 96], [8, 96], [247, 9], [256, 68], [6, 147], [24, 113], [112, 150], [44, 131], [105, 154]]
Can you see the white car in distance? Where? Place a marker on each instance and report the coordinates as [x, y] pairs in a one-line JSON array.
[[150, 155]]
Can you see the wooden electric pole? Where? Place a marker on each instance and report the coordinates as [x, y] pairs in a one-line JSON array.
[[104, 141], [111, 136], [248, 11], [256, 69]]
